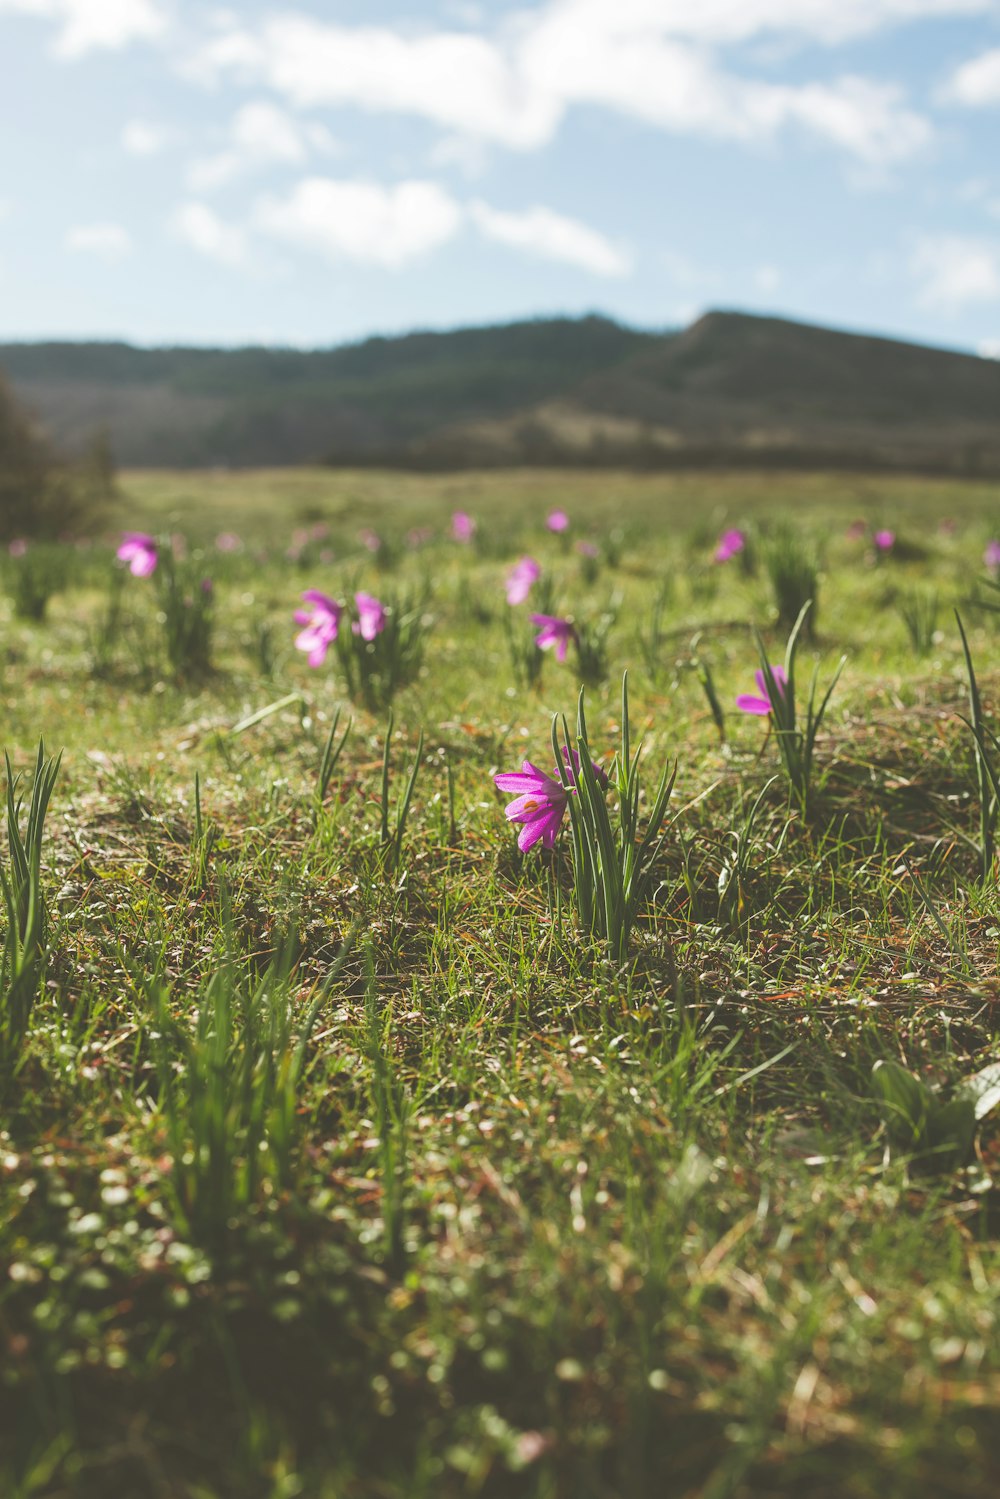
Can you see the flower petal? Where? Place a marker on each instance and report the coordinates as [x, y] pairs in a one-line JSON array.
[[747, 703], [541, 829]]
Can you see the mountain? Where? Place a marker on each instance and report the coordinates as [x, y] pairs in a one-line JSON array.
[[731, 388], [364, 403]]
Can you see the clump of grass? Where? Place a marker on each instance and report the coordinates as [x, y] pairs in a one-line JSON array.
[[593, 645], [919, 609], [987, 762], [25, 952], [33, 573], [613, 864], [375, 670], [106, 630], [187, 607], [792, 568], [393, 829], [796, 731], [526, 660], [228, 1090], [653, 635]]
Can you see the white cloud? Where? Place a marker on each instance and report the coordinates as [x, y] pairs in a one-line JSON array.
[[551, 236], [362, 221], [679, 86], [94, 25], [976, 83], [651, 60], [722, 22], [110, 242], [455, 79], [261, 135], [203, 230], [142, 138], [372, 224], [954, 271]]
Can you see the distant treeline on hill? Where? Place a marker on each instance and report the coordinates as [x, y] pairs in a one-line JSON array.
[[731, 389]]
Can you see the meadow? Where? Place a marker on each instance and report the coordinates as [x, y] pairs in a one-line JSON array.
[[346, 1149]]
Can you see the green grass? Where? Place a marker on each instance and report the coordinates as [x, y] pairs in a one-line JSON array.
[[339, 1161]]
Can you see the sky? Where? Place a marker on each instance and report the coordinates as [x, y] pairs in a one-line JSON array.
[[314, 172]]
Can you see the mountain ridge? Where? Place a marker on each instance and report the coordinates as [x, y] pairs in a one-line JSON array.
[[731, 388]]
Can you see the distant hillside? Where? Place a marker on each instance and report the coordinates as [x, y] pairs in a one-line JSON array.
[[730, 389], [363, 403]]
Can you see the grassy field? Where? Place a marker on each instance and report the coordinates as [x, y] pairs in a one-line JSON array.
[[339, 1158]]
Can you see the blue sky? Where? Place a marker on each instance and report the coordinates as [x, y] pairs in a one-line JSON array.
[[308, 173]]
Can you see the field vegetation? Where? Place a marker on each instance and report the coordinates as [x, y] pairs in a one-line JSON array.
[[346, 1149]]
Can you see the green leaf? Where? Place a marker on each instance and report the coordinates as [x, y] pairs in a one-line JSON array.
[[983, 1090], [950, 1130], [905, 1102]]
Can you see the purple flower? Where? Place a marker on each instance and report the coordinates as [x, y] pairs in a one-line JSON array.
[[991, 556], [540, 801], [746, 701], [322, 621], [588, 549], [463, 527], [371, 616], [730, 542], [885, 540], [558, 521], [371, 540], [554, 631], [139, 551], [521, 579], [228, 541], [18, 547], [539, 804]]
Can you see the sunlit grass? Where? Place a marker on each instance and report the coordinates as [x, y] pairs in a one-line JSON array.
[[342, 1159]]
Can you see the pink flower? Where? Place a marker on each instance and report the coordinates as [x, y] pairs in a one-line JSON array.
[[228, 541], [747, 703], [463, 527], [856, 530], [730, 542], [991, 556], [322, 621], [371, 540], [558, 521], [540, 802], [139, 551], [18, 547], [521, 579], [588, 549], [539, 806], [885, 540], [555, 632], [371, 616]]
